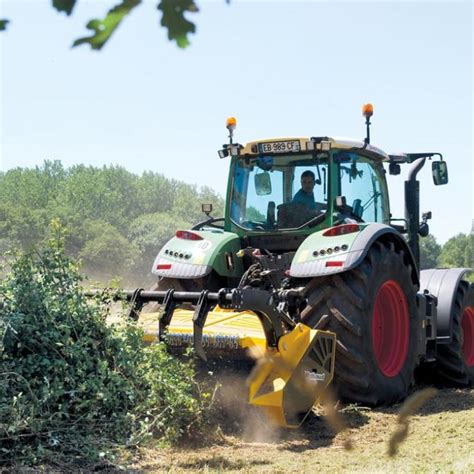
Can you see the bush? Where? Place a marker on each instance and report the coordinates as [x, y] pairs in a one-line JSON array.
[[73, 387]]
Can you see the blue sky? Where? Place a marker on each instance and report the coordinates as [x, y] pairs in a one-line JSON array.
[[282, 68]]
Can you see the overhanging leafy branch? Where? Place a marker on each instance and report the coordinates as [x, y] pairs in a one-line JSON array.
[[103, 29], [173, 19]]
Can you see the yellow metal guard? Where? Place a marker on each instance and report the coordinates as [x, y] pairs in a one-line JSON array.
[[288, 382]]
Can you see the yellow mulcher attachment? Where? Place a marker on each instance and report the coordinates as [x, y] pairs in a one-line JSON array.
[[294, 362]]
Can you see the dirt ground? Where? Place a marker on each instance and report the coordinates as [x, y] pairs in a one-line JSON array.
[[440, 439]]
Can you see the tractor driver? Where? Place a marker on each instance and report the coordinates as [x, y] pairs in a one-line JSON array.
[[305, 195]]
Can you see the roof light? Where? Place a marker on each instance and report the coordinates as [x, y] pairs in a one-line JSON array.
[[325, 145], [187, 235], [367, 110], [231, 123], [235, 149], [341, 230]]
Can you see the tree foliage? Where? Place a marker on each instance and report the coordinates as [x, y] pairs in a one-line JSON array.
[[429, 252], [103, 29], [173, 19], [458, 251], [73, 387], [117, 220]]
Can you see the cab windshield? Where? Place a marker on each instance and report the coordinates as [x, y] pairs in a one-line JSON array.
[[279, 191]]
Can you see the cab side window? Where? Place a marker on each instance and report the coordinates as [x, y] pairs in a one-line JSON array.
[[360, 182]]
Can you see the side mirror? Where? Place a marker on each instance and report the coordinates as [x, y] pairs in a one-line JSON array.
[[263, 184], [394, 168], [440, 172], [357, 208]]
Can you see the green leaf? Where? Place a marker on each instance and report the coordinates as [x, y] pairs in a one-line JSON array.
[[103, 29], [64, 5], [173, 19], [3, 24]]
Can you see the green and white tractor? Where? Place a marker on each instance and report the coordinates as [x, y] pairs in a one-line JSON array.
[[318, 277]]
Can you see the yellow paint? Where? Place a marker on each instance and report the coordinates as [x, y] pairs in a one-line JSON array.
[[284, 372], [220, 321]]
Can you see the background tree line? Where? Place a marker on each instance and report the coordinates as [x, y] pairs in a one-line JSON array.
[[458, 251], [117, 221]]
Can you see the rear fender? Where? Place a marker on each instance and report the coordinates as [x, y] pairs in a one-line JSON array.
[[306, 264], [443, 284], [191, 259]]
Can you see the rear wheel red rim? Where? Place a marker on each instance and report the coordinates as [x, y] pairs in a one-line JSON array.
[[467, 325], [390, 328]]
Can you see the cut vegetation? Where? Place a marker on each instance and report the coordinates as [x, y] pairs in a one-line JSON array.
[[440, 439]]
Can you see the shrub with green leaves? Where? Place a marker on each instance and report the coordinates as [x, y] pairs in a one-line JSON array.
[[73, 387]]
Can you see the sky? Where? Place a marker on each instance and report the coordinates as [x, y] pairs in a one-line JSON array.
[[282, 68]]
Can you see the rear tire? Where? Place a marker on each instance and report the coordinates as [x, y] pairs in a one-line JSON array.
[[455, 361], [372, 309]]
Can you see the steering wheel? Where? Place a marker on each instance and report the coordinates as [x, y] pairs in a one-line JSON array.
[[314, 221], [348, 212], [253, 225]]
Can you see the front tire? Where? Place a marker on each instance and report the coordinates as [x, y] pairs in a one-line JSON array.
[[372, 309]]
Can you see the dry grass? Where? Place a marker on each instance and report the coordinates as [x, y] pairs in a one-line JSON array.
[[440, 439]]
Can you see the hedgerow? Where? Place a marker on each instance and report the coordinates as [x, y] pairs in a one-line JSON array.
[[72, 387]]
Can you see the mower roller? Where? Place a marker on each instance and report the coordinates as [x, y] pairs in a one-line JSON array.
[[309, 269]]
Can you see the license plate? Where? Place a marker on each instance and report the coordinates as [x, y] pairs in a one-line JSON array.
[[280, 147]]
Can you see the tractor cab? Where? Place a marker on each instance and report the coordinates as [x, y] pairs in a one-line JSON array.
[[302, 185]]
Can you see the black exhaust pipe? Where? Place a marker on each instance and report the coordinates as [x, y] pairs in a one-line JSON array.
[[412, 208]]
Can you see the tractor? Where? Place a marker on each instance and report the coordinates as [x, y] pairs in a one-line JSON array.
[[309, 268]]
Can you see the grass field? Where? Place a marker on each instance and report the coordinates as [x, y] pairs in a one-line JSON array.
[[440, 439]]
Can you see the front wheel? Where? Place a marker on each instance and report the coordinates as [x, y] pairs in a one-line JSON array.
[[372, 309]]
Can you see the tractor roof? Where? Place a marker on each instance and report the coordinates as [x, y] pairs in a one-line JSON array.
[[320, 143]]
